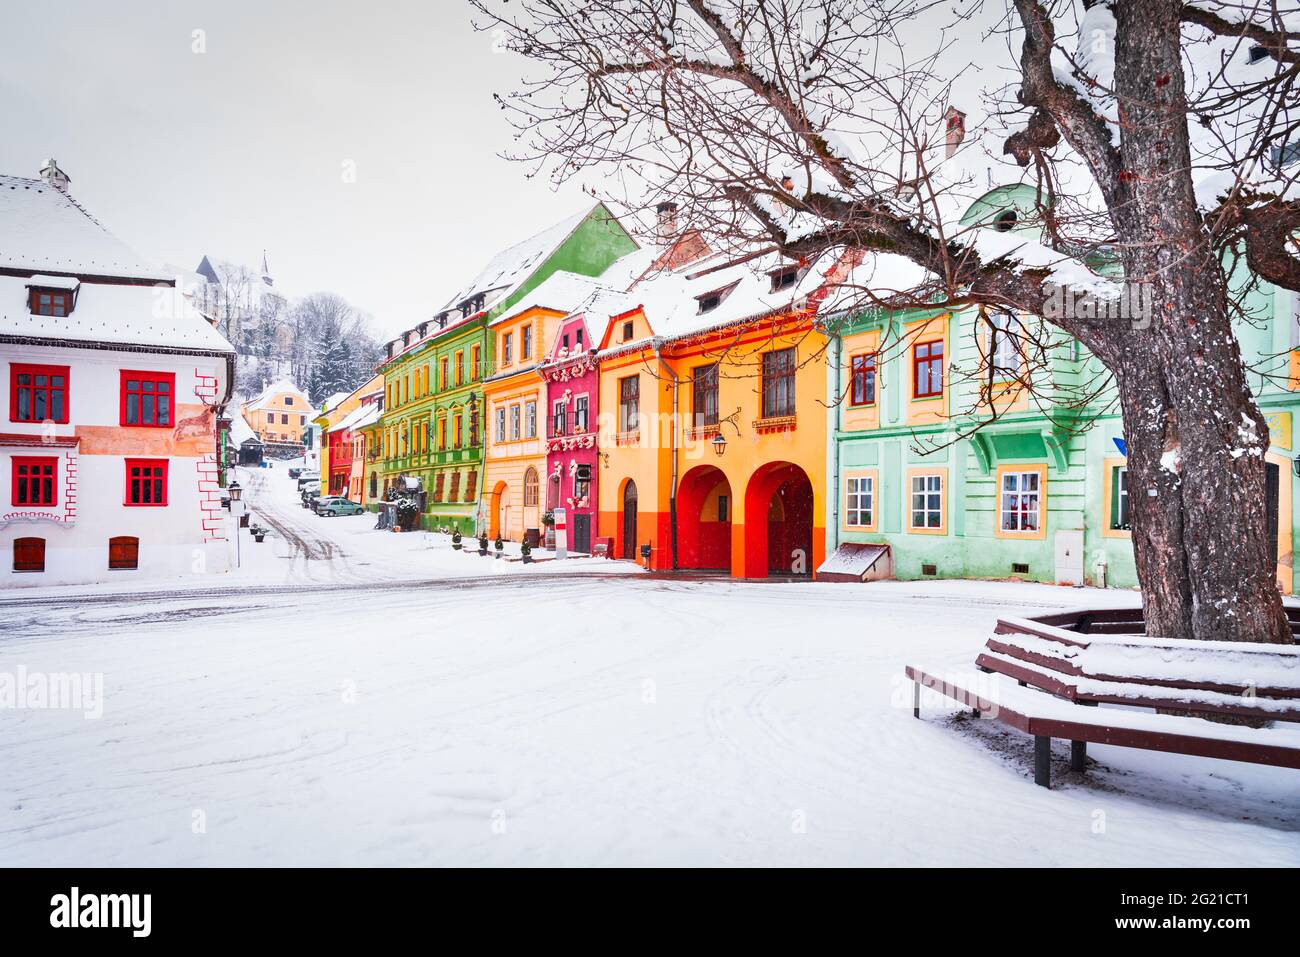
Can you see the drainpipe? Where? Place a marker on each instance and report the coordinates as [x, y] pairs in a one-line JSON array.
[[657, 343], [833, 413]]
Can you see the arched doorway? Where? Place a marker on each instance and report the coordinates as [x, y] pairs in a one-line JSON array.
[[704, 507], [779, 522], [629, 520], [498, 511]]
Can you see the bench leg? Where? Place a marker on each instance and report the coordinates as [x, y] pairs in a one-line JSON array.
[[1042, 761], [1078, 755], [916, 699]]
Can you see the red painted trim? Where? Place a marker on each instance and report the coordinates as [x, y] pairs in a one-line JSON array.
[[19, 368], [24, 464], [169, 378], [931, 358], [39, 441], [164, 464]]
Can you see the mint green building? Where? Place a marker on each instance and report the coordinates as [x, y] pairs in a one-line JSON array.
[[1039, 493]]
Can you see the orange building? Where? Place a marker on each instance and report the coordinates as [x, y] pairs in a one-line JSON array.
[[713, 417], [279, 414]]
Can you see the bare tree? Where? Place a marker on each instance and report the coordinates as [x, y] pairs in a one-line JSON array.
[[814, 125]]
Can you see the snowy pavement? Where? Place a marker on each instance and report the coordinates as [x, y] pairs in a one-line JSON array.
[[557, 720]]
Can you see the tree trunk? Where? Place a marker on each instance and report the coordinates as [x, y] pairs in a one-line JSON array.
[[1196, 439]]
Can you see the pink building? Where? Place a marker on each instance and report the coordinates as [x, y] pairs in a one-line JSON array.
[[572, 460]]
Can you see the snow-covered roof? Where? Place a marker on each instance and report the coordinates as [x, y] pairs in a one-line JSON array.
[[280, 386], [359, 417], [240, 430], [510, 267], [333, 401], [570, 293], [44, 229], [111, 313]]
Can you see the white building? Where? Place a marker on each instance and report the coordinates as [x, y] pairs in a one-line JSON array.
[[108, 434]]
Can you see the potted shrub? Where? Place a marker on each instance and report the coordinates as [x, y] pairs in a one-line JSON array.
[[500, 546], [259, 533], [526, 552], [482, 544], [455, 540]]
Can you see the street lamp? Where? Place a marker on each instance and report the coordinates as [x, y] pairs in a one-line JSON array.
[[236, 510], [719, 444]]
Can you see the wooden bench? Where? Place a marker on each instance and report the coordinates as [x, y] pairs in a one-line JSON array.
[[1047, 679]]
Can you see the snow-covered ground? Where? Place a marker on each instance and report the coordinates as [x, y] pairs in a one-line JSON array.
[[530, 719]]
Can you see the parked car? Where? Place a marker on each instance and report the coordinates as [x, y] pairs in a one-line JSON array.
[[294, 473], [308, 478], [338, 505], [310, 499]]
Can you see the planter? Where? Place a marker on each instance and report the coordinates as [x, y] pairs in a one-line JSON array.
[[498, 553], [456, 546], [258, 538], [527, 559]]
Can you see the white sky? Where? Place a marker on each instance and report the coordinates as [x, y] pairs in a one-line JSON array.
[[242, 147]]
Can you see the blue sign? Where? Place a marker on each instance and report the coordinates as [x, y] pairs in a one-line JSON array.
[[1122, 446]]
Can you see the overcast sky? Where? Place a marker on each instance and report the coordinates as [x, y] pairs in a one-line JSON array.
[[243, 146]]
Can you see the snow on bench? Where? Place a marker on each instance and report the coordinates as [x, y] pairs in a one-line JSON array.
[[1059, 673]]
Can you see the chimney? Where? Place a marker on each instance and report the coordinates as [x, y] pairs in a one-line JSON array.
[[954, 122], [666, 215], [51, 173]]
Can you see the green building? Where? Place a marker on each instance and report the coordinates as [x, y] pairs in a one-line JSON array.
[[1038, 491], [432, 431]]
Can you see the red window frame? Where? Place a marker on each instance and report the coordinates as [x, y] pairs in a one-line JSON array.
[[933, 358], [159, 471], [140, 392], [59, 302], [863, 370], [30, 473], [18, 370]]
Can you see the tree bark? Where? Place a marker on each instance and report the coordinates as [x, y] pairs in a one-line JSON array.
[[1196, 438]]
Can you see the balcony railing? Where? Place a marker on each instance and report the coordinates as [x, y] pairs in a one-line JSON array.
[[775, 423]]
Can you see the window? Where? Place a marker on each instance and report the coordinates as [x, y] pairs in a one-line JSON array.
[[784, 278], [124, 552], [474, 354], [1004, 347], [1119, 505], [927, 369], [460, 367], [579, 337], [507, 348], [1019, 502], [580, 413], [457, 434], [864, 380], [471, 485], [724, 508], [442, 433], [146, 482], [704, 400], [514, 423], [38, 393], [51, 302], [501, 424], [778, 383], [29, 554], [560, 415], [526, 343], [860, 501], [34, 481], [564, 343], [530, 487], [581, 481], [1005, 221], [627, 331], [442, 373], [530, 420], [439, 486], [927, 502], [455, 486], [629, 398], [288, 400], [711, 300], [284, 418], [1257, 53]]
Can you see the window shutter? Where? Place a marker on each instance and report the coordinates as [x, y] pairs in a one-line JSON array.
[[124, 552], [471, 486], [1114, 497], [29, 554]]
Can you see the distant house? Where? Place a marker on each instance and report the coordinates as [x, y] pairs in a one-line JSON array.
[[109, 461], [247, 446], [280, 415]]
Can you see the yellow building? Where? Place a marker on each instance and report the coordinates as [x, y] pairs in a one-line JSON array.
[[514, 398], [713, 417], [337, 450], [279, 414]]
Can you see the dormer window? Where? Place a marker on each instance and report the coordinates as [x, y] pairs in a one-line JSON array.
[[711, 300], [1257, 53], [627, 331], [1005, 221], [784, 278], [52, 295], [578, 335]]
